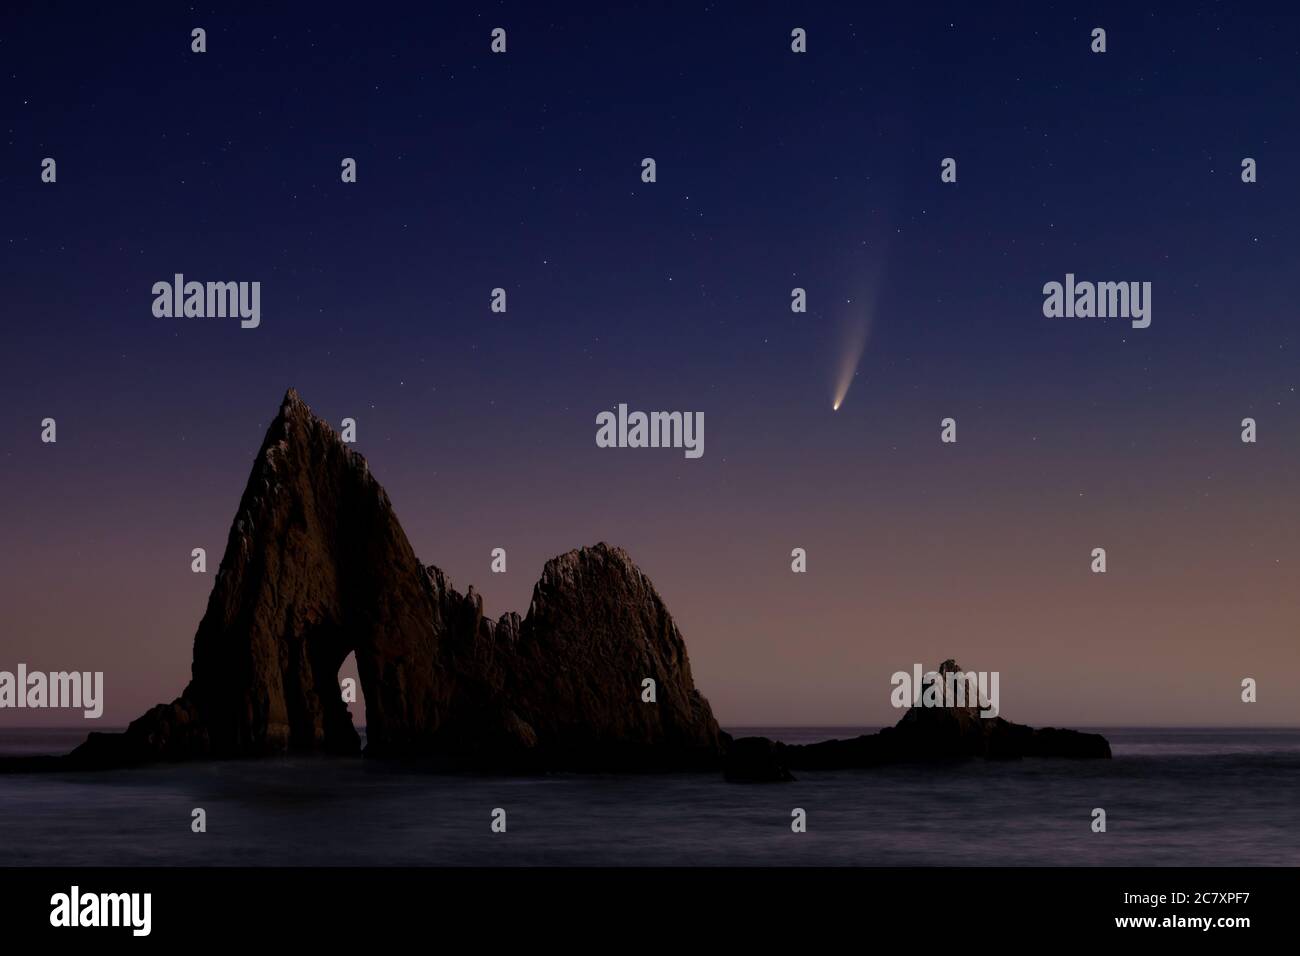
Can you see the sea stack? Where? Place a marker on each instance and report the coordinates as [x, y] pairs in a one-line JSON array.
[[317, 566], [924, 733]]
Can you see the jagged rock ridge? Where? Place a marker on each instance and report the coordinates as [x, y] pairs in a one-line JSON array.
[[317, 566]]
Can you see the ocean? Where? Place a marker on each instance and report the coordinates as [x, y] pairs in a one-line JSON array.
[[1172, 798]]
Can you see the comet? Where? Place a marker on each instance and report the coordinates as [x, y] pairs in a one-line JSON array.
[[854, 335], [856, 312]]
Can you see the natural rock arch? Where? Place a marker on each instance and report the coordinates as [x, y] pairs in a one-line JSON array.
[[317, 566]]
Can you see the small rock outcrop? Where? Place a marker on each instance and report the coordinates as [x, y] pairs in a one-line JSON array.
[[922, 734]]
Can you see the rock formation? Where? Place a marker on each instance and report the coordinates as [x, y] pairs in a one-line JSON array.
[[317, 566], [923, 733]]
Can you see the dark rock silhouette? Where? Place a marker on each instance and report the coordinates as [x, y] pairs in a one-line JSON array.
[[317, 566], [755, 760], [923, 734], [563, 686]]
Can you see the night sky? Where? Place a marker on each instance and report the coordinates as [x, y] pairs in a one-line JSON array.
[[775, 170]]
